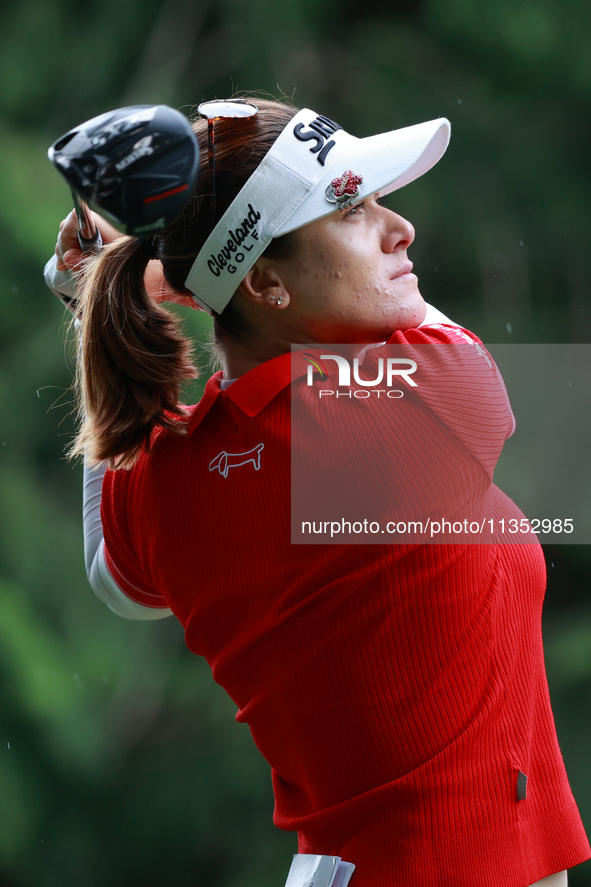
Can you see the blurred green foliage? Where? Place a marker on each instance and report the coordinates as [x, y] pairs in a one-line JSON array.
[[119, 760]]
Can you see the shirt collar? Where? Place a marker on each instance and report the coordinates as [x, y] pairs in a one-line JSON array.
[[255, 389]]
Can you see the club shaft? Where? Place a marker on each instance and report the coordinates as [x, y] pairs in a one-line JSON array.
[[89, 236]]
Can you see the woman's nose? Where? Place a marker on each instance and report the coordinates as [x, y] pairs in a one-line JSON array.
[[398, 233]]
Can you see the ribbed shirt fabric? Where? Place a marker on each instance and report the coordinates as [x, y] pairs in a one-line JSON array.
[[397, 690]]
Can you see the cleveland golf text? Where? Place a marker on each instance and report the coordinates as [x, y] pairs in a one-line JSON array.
[[236, 239]]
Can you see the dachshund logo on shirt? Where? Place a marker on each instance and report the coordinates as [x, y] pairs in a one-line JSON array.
[[224, 461]]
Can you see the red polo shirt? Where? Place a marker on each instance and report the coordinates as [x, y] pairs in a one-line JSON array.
[[397, 690]]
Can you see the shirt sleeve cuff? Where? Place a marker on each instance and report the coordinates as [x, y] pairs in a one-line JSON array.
[[107, 590]]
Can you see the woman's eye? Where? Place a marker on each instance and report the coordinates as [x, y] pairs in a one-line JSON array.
[[354, 209]]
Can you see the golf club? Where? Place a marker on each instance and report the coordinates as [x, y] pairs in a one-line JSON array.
[[135, 166], [89, 236]]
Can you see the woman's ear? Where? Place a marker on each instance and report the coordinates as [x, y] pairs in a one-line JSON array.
[[263, 286]]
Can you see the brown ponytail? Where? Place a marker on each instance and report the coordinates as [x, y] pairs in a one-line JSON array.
[[132, 360]]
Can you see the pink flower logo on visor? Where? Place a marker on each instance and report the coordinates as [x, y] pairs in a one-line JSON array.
[[344, 190]]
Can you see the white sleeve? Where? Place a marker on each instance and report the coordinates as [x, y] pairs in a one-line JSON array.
[[434, 316], [101, 581], [61, 283]]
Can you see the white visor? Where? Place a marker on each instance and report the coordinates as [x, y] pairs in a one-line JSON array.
[[292, 187]]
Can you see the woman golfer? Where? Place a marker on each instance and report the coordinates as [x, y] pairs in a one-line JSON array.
[[397, 689]]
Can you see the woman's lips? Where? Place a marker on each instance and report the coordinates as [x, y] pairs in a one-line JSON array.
[[404, 269]]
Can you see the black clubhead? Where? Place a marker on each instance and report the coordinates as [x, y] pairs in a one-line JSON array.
[[135, 166]]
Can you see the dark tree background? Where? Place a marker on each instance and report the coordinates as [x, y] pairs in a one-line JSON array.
[[120, 763]]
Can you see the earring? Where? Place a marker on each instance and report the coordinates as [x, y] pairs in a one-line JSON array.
[[279, 300]]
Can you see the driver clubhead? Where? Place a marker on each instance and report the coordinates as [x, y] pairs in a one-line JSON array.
[[135, 166]]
